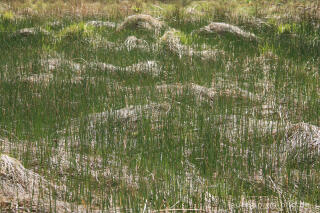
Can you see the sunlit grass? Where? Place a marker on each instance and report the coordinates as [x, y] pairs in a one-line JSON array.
[[174, 155]]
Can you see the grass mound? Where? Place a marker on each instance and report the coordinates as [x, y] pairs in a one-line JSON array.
[[28, 32], [224, 28], [23, 190], [101, 24], [303, 144], [174, 41], [133, 42], [141, 21]]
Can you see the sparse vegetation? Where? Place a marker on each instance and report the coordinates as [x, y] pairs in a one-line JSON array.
[[150, 106]]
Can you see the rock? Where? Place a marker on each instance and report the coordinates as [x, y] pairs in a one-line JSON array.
[[141, 21], [224, 28], [101, 24]]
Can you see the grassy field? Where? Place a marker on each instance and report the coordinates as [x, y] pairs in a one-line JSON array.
[[109, 114]]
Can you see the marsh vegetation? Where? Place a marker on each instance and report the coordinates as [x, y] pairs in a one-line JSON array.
[[148, 106]]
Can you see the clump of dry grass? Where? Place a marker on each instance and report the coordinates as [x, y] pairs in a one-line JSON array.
[[303, 143], [27, 32], [101, 24], [146, 67], [132, 113], [141, 21], [151, 67], [172, 42], [224, 28], [22, 190], [43, 78], [133, 42], [205, 93], [52, 64], [130, 43], [58, 62]]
